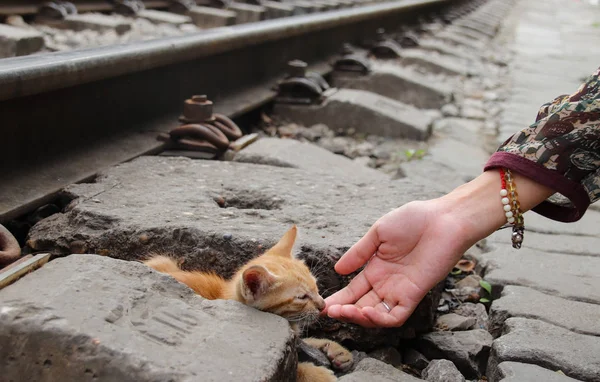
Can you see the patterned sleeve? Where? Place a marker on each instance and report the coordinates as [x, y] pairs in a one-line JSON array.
[[561, 150]]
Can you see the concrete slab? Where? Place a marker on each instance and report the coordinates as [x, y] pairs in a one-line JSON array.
[[295, 154], [398, 83], [445, 48], [92, 317], [93, 21], [247, 13], [546, 345], [557, 243], [277, 10], [363, 111], [571, 277], [218, 215], [519, 372], [16, 41], [525, 302], [206, 17], [160, 17], [589, 225], [457, 39], [438, 63]]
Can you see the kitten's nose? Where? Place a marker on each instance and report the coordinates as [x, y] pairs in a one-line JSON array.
[[320, 303]]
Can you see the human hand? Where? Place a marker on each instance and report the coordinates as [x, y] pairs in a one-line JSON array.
[[408, 251]]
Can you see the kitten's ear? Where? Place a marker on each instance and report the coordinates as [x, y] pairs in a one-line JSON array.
[[257, 280], [286, 244]]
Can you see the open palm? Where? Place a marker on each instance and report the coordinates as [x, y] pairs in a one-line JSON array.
[[408, 251]]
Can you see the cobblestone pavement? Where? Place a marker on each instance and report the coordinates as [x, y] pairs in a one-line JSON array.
[[544, 320]]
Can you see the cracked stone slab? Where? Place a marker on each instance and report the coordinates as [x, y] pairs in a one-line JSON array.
[[372, 370], [567, 244], [516, 301], [93, 317], [549, 346], [217, 215], [295, 154], [519, 372], [365, 112], [571, 277], [398, 83]]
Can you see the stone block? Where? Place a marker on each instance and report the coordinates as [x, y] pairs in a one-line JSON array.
[[468, 350], [275, 10], [520, 372], [217, 215], [372, 370], [160, 17], [302, 7], [88, 317], [546, 345], [516, 301], [363, 111], [398, 83], [247, 13], [442, 370], [16, 41], [92, 21], [567, 276], [206, 17], [296, 154]]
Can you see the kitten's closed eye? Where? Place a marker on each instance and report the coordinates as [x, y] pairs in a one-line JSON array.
[[303, 297]]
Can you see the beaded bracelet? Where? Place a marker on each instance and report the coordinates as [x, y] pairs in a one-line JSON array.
[[512, 208]]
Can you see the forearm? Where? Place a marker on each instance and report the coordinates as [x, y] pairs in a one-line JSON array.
[[477, 205]]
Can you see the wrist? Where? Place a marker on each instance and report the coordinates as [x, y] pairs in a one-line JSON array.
[[476, 209]]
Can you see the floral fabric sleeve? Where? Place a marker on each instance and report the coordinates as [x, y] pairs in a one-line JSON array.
[[560, 150]]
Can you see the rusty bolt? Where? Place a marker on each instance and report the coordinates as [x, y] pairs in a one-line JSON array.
[[197, 109], [297, 68]]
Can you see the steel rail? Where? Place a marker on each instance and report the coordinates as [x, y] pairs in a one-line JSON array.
[[29, 75], [30, 7], [66, 115]]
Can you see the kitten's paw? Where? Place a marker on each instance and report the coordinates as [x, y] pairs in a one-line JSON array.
[[340, 357], [307, 372]]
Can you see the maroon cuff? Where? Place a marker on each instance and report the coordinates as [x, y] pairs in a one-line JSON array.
[[549, 178]]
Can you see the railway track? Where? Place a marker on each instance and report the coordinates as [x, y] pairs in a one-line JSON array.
[[66, 115]]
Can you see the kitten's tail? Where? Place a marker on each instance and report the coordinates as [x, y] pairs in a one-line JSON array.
[[163, 264]]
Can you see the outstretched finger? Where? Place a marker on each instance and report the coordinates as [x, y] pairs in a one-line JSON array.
[[395, 318], [350, 313], [360, 252], [358, 287]]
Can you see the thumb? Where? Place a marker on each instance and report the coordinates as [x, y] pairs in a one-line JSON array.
[[360, 252]]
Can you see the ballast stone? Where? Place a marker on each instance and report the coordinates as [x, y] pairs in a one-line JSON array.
[[89, 317], [520, 372], [16, 41]]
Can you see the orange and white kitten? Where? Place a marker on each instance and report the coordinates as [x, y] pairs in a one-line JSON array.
[[275, 282]]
